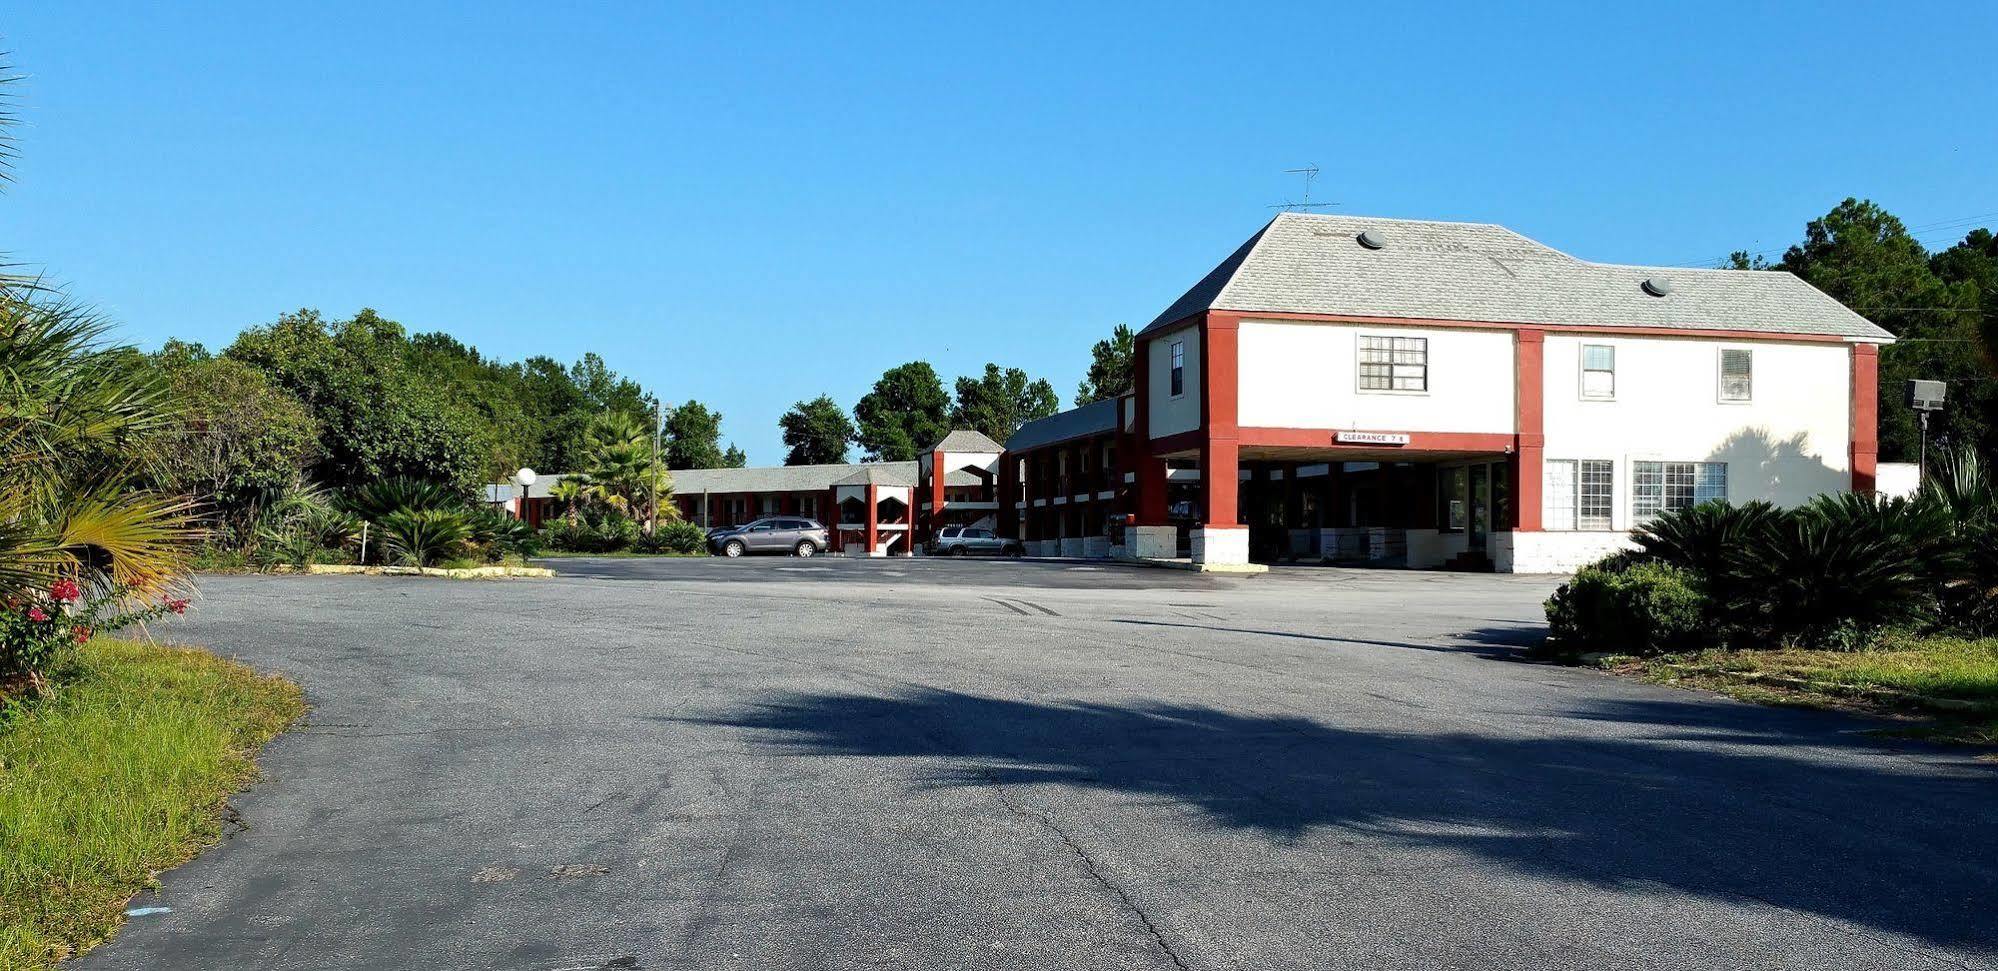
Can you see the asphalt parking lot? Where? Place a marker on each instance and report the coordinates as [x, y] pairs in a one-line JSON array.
[[775, 763]]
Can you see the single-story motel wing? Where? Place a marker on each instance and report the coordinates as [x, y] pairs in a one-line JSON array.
[[1397, 392]]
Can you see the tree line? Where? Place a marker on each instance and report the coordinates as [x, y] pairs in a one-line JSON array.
[[908, 410], [1941, 306]]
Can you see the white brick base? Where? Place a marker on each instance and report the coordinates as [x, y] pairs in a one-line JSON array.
[[1222, 545], [1153, 542], [1560, 551]]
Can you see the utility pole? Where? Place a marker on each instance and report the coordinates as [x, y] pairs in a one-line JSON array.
[[652, 474]]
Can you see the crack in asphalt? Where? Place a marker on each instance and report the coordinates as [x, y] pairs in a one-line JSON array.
[[1088, 865]]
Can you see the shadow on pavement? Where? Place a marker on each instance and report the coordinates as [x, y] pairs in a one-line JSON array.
[[1498, 643], [1852, 834]]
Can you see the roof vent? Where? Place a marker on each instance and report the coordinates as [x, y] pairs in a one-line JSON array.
[[1657, 287], [1372, 240]]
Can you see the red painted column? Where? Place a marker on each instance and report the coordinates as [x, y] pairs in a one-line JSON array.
[[1148, 482], [1530, 386], [1220, 450], [1865, 456], [873, 519], [935, 518]]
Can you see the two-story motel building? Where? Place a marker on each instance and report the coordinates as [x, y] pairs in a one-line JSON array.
[[1402, 392]]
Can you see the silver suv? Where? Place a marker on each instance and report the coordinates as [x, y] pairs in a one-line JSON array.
[[966, 540], [776, 534]]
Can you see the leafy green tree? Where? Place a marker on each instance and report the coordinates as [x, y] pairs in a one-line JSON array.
[[1109, 372], [734, 458], [816, 432], [1001, 401], [1864, 257], [1973, 265], [693, 437], [241, 444], [378, 416], [907, 412]]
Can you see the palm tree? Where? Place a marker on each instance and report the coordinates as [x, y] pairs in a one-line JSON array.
[[625, 468], [78, 421], [569, 491], [78, 424]]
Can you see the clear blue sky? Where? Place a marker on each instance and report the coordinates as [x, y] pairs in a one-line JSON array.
[[752, 205]]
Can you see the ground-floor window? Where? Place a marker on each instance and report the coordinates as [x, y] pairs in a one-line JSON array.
[[1455, 492], [1580, 494], [1659, 487]]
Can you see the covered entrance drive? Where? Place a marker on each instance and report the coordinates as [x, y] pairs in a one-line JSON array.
[[1378, 511]]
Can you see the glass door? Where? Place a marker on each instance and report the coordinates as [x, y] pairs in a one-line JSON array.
[[1481, 506]]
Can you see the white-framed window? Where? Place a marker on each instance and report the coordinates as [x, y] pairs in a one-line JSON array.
[[1178, 368], [1737, 374], [1658, 487], [1599, 372], [1394, 363], [1579, 494]]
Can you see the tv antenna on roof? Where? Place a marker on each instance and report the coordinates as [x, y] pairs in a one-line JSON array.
[[1310, 173]]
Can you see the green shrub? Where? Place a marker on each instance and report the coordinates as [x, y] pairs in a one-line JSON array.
[[1642, 609], [673, 537], [374, 500], [1835, 572], [421, 537], [596, 531], [496, 535]]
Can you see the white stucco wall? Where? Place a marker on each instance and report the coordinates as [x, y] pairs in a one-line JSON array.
[[1786, 445], [1897, 478], [1171, 415], [1306, 375]]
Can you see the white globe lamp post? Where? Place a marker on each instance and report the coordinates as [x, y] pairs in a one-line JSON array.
[[526, 478]]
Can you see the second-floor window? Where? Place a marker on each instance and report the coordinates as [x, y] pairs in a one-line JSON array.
[[1737, 374], [1394, 363], [1598, 371], [1178, 368]]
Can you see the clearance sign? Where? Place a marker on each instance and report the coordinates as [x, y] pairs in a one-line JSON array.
[[1371, 438]]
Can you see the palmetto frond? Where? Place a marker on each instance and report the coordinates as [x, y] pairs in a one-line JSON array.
[[140, 542]]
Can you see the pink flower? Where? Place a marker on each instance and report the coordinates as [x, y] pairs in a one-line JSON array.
[[177, 606], [65, 591], [82, 634], [35, 614]]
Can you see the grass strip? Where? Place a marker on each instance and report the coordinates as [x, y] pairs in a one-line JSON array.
[[124, 772], [1944, 688]]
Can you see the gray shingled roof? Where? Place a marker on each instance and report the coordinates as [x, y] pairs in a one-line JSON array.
[[1090, 419], [804, 478], [1312, 264], [966, 440], [778, 478]]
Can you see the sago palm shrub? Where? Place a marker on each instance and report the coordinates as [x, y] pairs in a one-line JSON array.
[[1843, 567], [1963, 488], [422, 537], [373, 500]]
